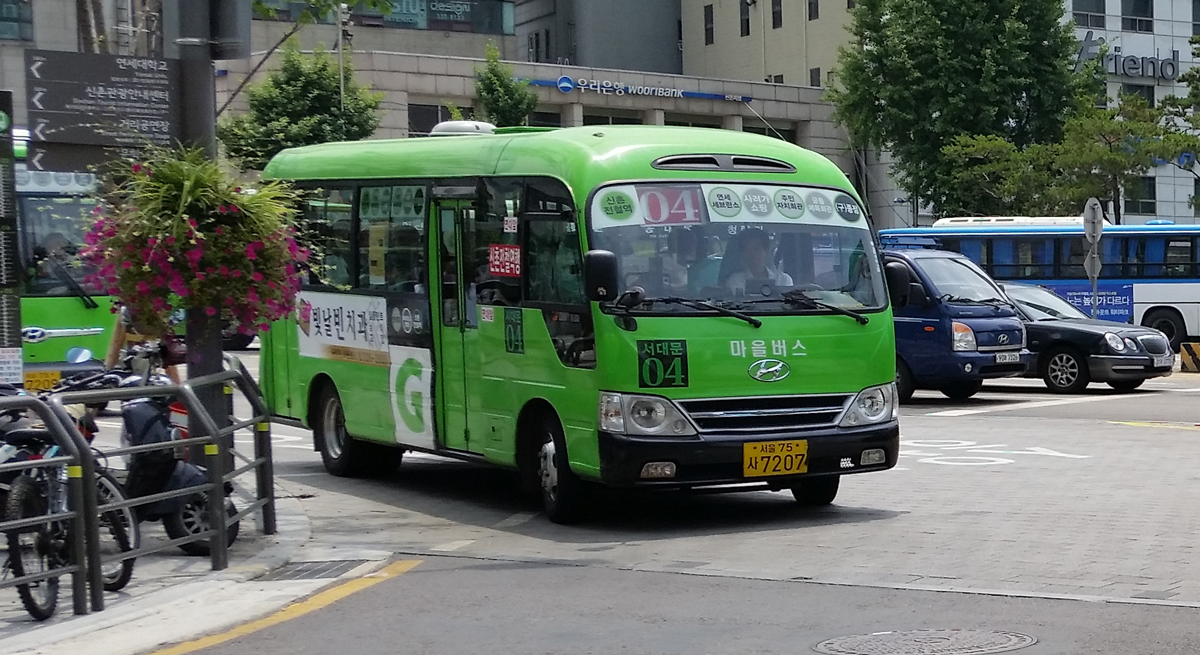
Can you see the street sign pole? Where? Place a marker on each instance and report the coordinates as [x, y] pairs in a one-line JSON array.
[[1093, 230], [11, 359]]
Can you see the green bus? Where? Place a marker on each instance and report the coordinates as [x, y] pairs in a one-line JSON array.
[[59, 310], [637, 306]]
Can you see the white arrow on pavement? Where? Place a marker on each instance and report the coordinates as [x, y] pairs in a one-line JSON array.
[[33, 68], [37, 131], [37, 160], [37, 99]]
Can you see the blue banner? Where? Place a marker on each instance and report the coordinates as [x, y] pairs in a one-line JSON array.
[[1114, 299]]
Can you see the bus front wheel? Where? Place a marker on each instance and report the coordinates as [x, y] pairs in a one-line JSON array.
[[817, 492], [563, 493]]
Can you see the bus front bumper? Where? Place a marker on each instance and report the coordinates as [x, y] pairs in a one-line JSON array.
[[716, 459]]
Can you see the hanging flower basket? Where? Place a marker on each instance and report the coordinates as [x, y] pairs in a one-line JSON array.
[[176, 232]]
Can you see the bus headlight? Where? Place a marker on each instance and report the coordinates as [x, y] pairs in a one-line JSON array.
[[872, 405], [642, 415], [1117, 344], [964, 337]]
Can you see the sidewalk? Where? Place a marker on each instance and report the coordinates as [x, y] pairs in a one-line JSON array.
[[173, 597]]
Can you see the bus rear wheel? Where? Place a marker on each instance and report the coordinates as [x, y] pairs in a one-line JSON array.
[[342, 455], [563, 493]]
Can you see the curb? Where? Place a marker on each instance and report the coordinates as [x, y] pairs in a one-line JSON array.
[[293, 530]]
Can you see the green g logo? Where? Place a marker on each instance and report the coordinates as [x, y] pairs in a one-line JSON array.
[[410, 404]]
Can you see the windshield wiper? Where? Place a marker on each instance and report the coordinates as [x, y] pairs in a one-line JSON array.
[[991, 302], [800, 297], [65, 277], [701, 304]]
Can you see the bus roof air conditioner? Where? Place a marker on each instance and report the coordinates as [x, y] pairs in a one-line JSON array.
[[459, 128]]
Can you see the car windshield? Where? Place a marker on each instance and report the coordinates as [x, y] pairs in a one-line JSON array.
[[1042, 304], [739, 245], [52, 235], [958, 279]]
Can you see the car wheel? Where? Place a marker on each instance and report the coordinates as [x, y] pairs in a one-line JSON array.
[[1170, 323], [817, 492], [1125, 386], [1065, 371], [905, 385], [963, 390]]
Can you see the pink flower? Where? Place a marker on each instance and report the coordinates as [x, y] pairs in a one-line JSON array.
[[256, 276], [126, 264], [223, 209], [220, 230], [211, 311], [137, 168], [143, 288], [237, 273], [233, 209], [252, 250], [224, 270], [192, 222], [170, 241]]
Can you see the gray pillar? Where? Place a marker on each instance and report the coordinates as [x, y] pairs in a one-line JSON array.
[[732, 123], [572, 115], [654, 117]]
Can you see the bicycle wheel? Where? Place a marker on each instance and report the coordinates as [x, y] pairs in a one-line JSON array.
[[118, 532], [33, 550]]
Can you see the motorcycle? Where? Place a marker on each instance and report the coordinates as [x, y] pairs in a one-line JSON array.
[[148, 421]]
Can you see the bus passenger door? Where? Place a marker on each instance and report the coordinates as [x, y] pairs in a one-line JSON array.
[[451, 394]]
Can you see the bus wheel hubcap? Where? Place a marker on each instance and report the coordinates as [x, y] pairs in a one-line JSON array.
[[1063, 370], [547, 470], [334, 427]]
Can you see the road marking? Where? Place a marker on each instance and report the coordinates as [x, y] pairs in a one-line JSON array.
[[1027, 405], [295, 610], [452, 545], [1154, 424], [515, 520]]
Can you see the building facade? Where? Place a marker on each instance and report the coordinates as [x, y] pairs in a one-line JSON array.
[[633, 35]]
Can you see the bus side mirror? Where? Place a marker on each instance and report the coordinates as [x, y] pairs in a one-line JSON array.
[[898, 282], [600, 275]]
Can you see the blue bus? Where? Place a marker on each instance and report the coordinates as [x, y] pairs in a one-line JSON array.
[[1150, 276]]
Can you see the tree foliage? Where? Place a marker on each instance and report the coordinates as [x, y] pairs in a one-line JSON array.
[[505, 100], [920, 73], [1102, 153], [300, 105]]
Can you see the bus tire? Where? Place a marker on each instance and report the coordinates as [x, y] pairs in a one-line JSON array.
[[563, 493], [342, 455], [1169, 322], [1064, 370], [962, 390], [905, 384], [816, 492]]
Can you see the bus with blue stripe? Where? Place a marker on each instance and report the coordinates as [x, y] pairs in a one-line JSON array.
[[1150, 273]]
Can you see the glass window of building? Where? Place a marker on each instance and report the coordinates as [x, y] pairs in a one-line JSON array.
[[814, 77], [1141, 196], [1089, 13], [422, 118], [814, 9], [708, 25], [1145, 91], [478, 16], [744, 16], [1137, 16], [1195, 17], [16, 20], [850, 4], [776, 14]]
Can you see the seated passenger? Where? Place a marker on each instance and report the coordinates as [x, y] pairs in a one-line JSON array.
[[755, 248]]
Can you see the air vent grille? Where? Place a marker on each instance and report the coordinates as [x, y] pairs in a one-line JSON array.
[[730, 163]]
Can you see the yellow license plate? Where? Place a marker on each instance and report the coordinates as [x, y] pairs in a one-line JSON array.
[[765, 458], [42, 380]]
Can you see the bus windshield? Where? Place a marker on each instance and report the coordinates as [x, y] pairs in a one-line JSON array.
[[52, 236], [739, 243]]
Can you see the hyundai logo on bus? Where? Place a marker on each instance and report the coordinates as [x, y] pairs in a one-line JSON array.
[[769, 370], [1117, 64]]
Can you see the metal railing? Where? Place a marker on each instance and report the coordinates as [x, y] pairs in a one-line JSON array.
[[217, 442]]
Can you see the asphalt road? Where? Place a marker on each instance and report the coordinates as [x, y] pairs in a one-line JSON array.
[[1068, 518]]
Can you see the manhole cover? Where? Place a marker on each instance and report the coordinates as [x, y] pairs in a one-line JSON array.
[[927, 642]]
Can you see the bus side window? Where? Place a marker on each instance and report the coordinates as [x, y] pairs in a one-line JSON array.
[[1181, 258], [1135, 256], [391, 239], [491, 247], [554, 272], [1155, 256], [1110, 255], [329, 219], [1072, 250], [1003, 260], [977, 250]]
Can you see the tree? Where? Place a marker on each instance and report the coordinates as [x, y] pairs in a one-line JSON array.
[[919, 73], [312, 12], [300, 105], [1103, 152], [89, 15], [506, 101]]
